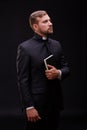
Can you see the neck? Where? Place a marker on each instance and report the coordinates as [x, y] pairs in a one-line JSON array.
[[42, 35]]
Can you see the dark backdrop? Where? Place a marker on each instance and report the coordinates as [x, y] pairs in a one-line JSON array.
[[69, 22]]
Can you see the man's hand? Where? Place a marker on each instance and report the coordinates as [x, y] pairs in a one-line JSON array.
[[52, 72], [32, 115]]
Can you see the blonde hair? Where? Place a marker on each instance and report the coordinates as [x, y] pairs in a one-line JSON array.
[[33, 17]]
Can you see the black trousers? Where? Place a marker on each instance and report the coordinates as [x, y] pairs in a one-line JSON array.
[[46, 123], [48, 110]]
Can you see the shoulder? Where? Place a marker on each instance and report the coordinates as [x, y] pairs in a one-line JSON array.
[[25, 46], [26, 43]]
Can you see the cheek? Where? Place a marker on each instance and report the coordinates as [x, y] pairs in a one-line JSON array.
[[44, 28]]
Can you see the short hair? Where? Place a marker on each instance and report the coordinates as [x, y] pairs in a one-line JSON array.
[[33, 16]]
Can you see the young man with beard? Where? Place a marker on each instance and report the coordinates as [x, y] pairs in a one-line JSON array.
[[40, 88]]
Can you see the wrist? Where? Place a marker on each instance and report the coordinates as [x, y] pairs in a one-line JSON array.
[[59, 74]]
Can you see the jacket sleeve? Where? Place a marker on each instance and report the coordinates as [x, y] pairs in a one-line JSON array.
[[23, 76], [63, 65], [64, 68]]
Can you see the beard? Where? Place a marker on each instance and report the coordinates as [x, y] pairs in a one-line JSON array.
[[48, 31]]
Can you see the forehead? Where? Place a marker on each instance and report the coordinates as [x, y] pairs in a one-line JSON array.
[[43, 18]]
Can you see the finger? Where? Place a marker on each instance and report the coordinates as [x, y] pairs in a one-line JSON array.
[[30, 119]]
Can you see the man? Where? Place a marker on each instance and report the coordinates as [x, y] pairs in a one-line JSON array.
[[40, 88]]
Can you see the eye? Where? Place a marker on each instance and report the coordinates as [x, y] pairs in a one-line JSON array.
[[45, 21]]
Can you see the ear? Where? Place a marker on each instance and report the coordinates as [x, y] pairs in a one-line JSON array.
[[35, 26]]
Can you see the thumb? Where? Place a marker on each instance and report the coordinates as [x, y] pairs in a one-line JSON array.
[[50, 66], [39, 117]]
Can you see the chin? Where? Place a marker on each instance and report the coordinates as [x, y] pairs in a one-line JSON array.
[[51, 32]]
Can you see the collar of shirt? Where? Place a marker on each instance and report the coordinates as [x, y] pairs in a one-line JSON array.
[[40, 38]]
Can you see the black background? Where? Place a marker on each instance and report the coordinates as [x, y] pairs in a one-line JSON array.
[[69, 21]]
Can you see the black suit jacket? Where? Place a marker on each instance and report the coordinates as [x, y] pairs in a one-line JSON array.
[[35, 88]]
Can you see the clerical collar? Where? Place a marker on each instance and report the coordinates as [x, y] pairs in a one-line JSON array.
[[44, 38], [38, 37]]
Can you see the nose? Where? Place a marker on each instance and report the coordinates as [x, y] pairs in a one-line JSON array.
[[50, 23]]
